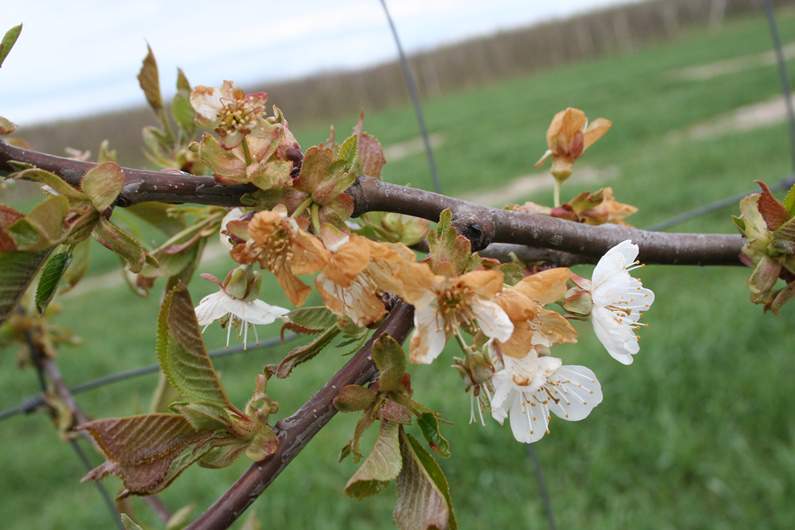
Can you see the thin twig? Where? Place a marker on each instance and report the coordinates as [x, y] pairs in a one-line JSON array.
[[297, 430]]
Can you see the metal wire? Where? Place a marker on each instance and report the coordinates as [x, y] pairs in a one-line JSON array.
[[31, 403], [103, 492], [408, 77], [782, 75], [732, 200], [546, 500]]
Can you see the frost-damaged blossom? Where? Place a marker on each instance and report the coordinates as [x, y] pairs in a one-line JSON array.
[[279, 244], [527, 389], [618, 300], [568, 137], [254, 148], [533, 324], [443, 305], [229, 111], [235, 303], [345, 287]]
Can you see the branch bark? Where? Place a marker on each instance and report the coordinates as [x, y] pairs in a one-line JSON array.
[[296, 430], [482, 225]]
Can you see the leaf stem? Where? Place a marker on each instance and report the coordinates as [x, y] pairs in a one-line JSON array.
[[556, 193], [302, 207]]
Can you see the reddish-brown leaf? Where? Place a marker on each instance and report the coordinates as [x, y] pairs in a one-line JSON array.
[[772, 211]]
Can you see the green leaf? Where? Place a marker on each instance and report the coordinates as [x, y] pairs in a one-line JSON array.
[[789, 200], [105, 153], [81, 254], [182, 354], [223, 163], [449, 251], [149, 79], [17, 270], [352, 398], [9, 39], [224, 454], [180, 518], [123, 244], [50, 276], [423, 493], [183, 85], [347, 151], [431, 430], [146, 452], [313, 319], [157, 215], [43, 228], [183, 113], [128, 523], [303, 353], [390, 359], [203, 417], [102, 184], [381, 466], [785, 232], [52, 180]]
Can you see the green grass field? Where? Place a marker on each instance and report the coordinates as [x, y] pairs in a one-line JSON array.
[[698, 433]]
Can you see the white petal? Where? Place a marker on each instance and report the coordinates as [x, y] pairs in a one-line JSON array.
[[500, 402], [429, 337], [577, 390], [219, 304], [492, 319], [616, 335], [529, 420], [614, 261], [261, 313], [232, 215], [206, 102], [212, 307]]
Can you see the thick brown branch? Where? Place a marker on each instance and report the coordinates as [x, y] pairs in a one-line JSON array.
[[481, 224], [490, 225], [296, 431]]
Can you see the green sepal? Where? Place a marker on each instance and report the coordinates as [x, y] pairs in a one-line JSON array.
[[123, 244], [103, 184], [390, 359]]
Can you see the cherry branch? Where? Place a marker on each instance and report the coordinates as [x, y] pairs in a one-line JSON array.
[[298, 429], [482, 225]]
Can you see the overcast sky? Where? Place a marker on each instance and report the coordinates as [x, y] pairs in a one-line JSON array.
[[77, 57]]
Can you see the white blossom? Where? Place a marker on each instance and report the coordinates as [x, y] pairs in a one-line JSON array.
[[253, 313], [526, 390], [618, 300]]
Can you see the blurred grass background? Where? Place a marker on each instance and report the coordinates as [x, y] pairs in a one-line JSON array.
[[698, 433]]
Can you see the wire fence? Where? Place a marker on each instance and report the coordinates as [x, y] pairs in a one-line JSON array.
[[33, 403]]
